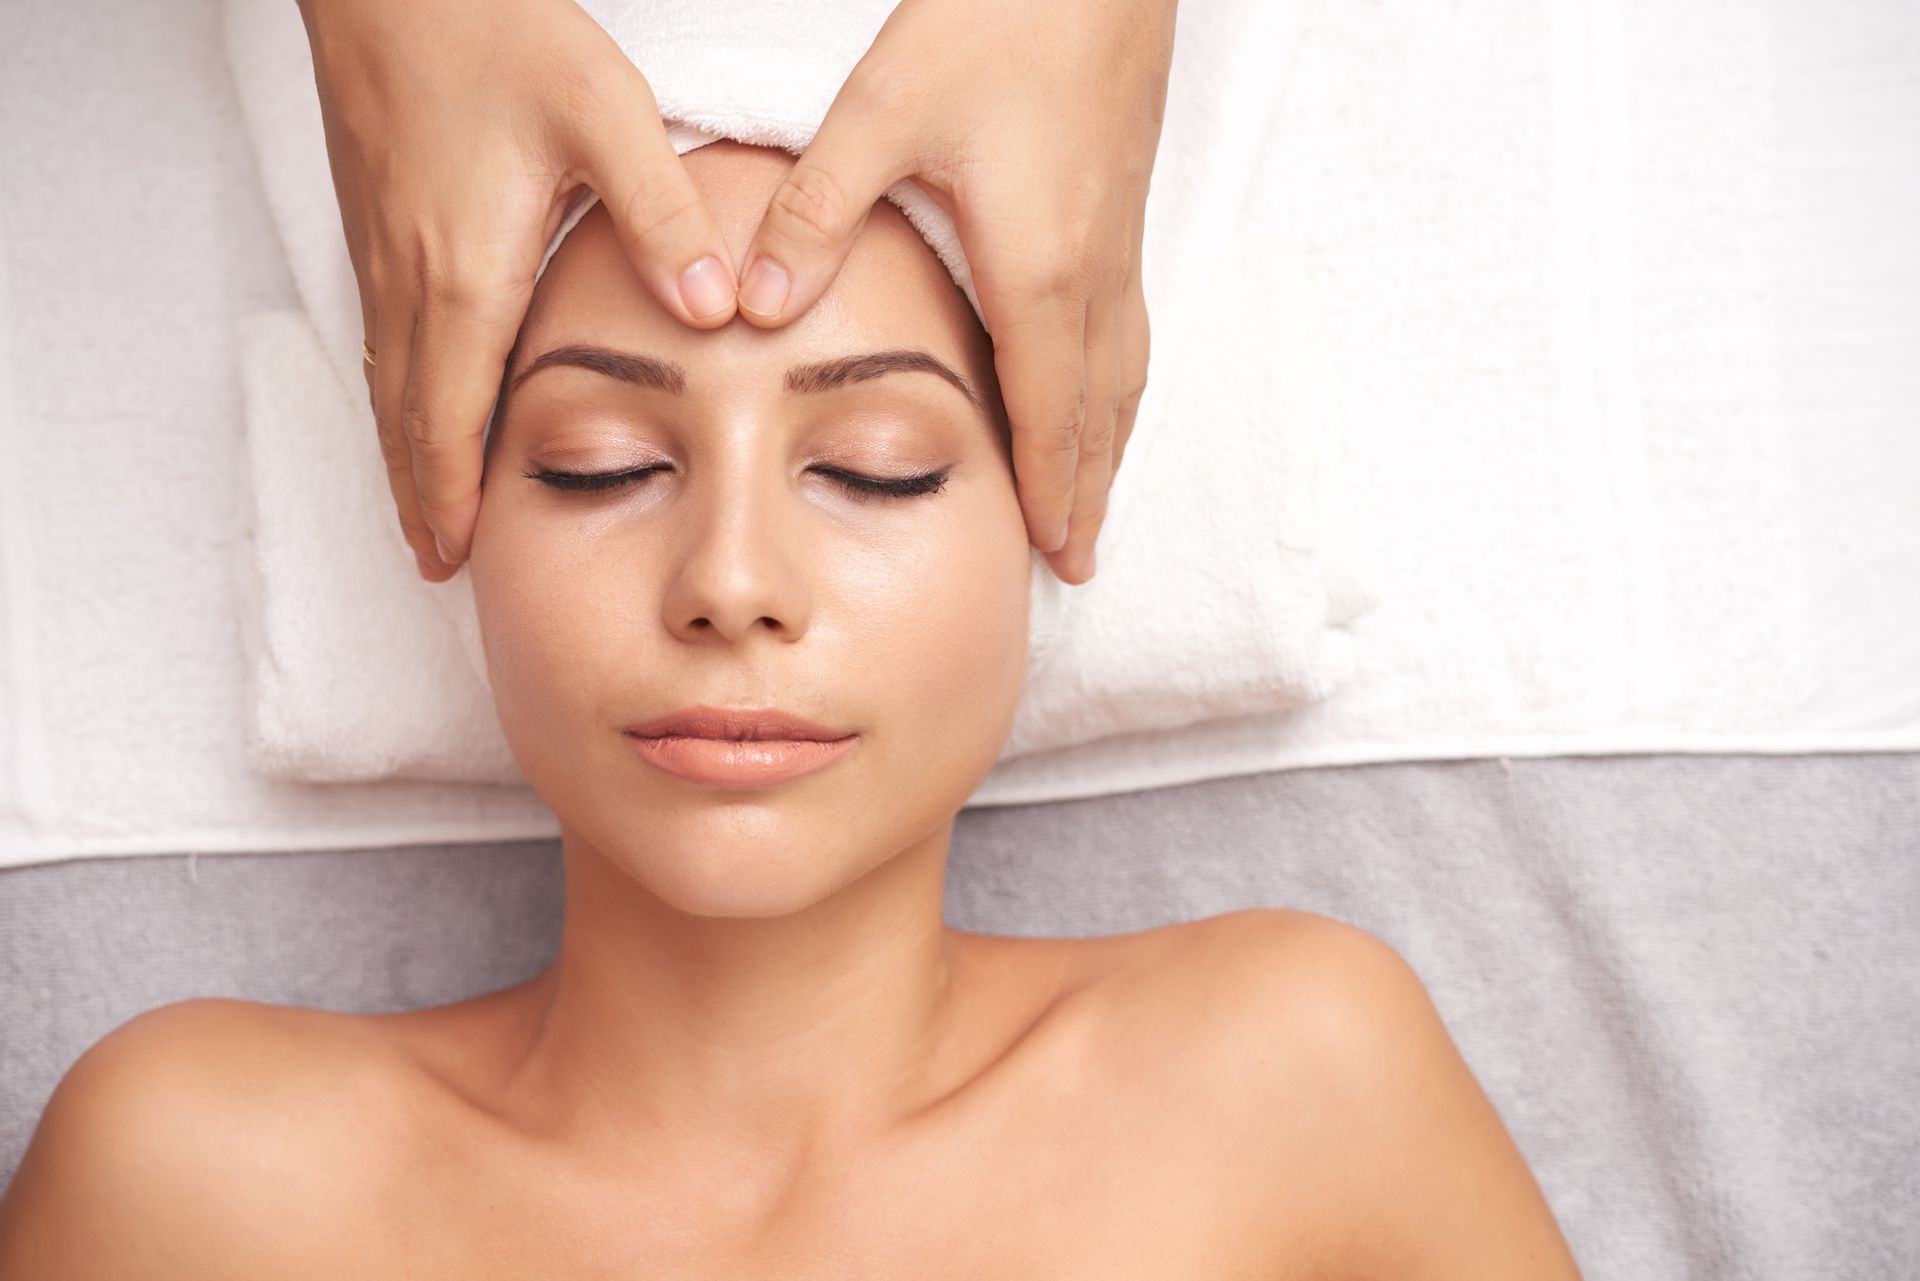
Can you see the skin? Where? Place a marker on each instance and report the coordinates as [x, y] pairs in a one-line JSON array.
[[458, 131], [709, 927], [760, 1051]]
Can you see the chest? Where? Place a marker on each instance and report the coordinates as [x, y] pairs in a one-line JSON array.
[[1050, 1236], [1058, 1206]]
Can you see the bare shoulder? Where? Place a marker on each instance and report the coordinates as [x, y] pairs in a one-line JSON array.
[[1339, 1062], [1240, 971], [1239, 1005], [192, 1140]]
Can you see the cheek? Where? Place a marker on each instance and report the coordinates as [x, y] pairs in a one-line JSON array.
[[543, 610], [948, 665]]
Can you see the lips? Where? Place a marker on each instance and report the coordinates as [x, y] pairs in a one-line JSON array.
[[751, 725], [720, 762]]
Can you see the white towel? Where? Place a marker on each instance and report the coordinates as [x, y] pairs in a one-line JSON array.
[[1637, 476], [1217, 596]]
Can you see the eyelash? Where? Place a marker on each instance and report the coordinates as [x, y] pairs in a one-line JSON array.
[[860, 486]]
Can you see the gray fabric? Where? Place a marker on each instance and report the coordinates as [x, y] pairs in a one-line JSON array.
[[1690, 984]]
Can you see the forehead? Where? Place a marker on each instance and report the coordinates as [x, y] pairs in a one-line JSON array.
[[892, 290]]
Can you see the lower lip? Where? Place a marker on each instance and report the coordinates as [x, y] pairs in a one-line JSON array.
[[729, 763]]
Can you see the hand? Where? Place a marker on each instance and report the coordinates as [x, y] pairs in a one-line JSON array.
[[458, 132], [1034, 127]]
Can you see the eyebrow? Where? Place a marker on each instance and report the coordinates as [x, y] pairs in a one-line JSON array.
[[663, 375]]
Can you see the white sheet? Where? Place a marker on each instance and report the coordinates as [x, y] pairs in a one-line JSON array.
[[1620, 303]]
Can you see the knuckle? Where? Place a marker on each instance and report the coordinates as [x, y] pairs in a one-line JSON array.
[[653, 205], [1060, 273], [812, 203], [434, 508], [1070, 422], [456, 282], [416, 428], [457, 270], [581, 92], [1097, 434], [1085, 234], [379, 274], [395, 450], [429, 443], [1082, 238], [880, 86]]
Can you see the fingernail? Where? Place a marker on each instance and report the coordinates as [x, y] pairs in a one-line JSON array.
[[1059, 537], [1086, 563], [765, 289], [446, 553], [705, 288]]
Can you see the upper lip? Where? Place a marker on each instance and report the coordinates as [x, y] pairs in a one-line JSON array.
[[752, 724]]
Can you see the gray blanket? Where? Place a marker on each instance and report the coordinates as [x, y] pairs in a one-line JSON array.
[[1690, 984]]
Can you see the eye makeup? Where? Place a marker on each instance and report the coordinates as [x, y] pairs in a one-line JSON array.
[[859, 485]]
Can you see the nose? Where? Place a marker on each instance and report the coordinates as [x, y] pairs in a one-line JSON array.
[[740, 564]]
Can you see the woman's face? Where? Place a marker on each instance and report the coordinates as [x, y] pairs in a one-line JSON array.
[[744, 572]]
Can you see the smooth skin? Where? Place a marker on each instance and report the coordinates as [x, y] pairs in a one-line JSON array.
[[1320, 1125], [760, 1051], [458, 131]]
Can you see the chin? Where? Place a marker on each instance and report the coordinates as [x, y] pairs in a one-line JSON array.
[[737, 898], [754, 874]]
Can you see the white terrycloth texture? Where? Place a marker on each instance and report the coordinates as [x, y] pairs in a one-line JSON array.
[[1215, 598], [1619, 299]]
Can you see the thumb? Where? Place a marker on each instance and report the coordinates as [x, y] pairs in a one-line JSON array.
[[815, 215], [663, 222]]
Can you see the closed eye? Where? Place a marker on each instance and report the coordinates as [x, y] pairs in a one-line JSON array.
[[590, 480], [855, 483]]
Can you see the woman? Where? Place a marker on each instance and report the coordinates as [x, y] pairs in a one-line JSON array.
[[759, 1051]]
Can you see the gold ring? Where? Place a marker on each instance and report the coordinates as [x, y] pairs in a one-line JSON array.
[[366, 351]]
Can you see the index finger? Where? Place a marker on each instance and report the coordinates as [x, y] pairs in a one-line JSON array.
[[459, 354]]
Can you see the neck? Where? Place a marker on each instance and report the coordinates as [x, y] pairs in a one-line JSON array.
[[773, 1036]]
